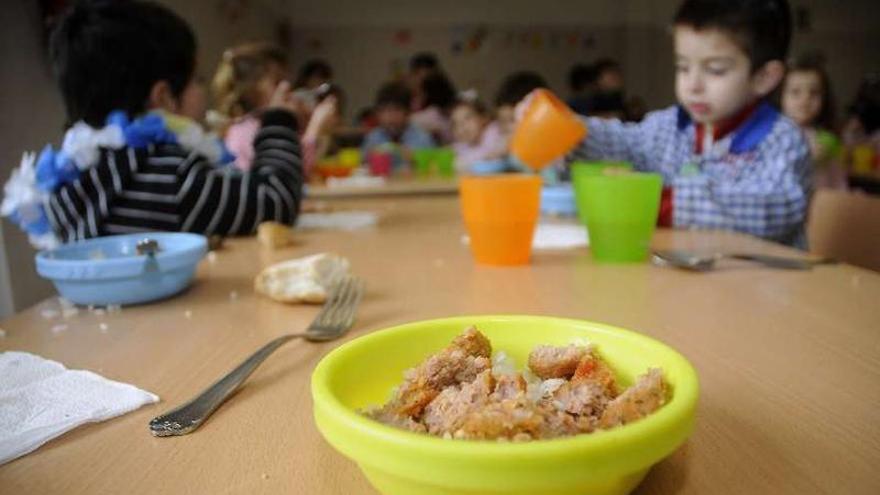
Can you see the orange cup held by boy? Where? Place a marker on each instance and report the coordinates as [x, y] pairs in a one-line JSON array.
[[500, 213], [547, 131]]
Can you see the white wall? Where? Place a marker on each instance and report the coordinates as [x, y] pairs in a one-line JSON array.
[[356, 38], [32, 117]]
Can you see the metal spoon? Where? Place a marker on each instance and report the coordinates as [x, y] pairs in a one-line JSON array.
[[705, 262]]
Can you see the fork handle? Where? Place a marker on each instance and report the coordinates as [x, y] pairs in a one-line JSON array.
[[191, 415]]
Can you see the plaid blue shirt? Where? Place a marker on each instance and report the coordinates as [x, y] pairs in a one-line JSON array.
[[754, 180]]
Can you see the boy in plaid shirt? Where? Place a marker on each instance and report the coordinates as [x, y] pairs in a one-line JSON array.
[[729, 160]]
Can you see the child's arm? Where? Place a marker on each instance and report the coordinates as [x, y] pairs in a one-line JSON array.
[[769, 200], [611, 139], [220, 201], [170, 189]]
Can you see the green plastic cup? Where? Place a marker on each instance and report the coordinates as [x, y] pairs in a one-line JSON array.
[[620, 211], [444, 159], [582, 169], [423, 161]]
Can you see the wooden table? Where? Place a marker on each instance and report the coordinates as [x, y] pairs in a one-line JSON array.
[[789, 362], [392, 187]]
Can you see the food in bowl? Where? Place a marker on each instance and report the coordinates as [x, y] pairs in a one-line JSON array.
[[463, 393]]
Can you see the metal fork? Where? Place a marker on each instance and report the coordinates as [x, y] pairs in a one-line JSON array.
[[335, 318]]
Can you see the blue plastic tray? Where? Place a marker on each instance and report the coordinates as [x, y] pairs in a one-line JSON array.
[[558, 200], [108, 270]]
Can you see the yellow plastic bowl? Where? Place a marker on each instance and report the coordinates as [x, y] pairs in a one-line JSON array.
[[397, 462]]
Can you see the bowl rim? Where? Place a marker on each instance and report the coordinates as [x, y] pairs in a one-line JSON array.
[[111, 268], [680, 408]]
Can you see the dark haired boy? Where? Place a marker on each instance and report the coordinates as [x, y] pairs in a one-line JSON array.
[[729, 160]]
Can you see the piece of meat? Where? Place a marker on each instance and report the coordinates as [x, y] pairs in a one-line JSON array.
[[508, 419], [585, 398], [472, 342], [556, 362], [384, 415], [509, 387], [592, 368], [445, 413], [460, 362], [636, 402]]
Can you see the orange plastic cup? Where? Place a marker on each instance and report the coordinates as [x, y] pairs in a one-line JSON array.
[[500, 212], [547, 131]]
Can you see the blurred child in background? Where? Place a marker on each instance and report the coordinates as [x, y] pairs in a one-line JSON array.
[[246, 79], [582, 84], [394, 130], [313, 74], [513, 89], [861, 132], [421, 65], [477, 138], [134, 158], [806, 98], [439, 97]]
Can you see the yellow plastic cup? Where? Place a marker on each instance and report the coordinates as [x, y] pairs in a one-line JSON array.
[[547, 131], [863, 158], [500, 213], [361, 373], [349, 157]]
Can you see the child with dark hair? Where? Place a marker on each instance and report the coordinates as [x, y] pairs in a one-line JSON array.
[[806, 99], [394, 128], [313, 74], [135, 159], [582, 84], [729, 159], [439, 98], [421, 65], [861, 132], [513, 89]]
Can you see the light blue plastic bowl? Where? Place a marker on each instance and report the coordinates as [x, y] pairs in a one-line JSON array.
[[108, 270], [488, 167], [558, 200]]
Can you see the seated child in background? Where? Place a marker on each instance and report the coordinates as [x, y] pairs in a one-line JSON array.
[[134, 160], [439, 97], [728, 158], [394, 128], [806, 99], [476, 138], [312, 74], [513, 89], [243, 85], [320, 137], [582, 84], [861, 132]]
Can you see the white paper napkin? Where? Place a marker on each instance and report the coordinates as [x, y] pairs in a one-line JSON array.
[[341, 220], [559, 236], [41, 399], [554, 236]]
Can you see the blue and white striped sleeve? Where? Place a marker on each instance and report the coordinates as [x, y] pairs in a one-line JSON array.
[[768, 199]]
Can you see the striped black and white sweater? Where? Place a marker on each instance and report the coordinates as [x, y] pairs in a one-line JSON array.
[[165, 187]]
